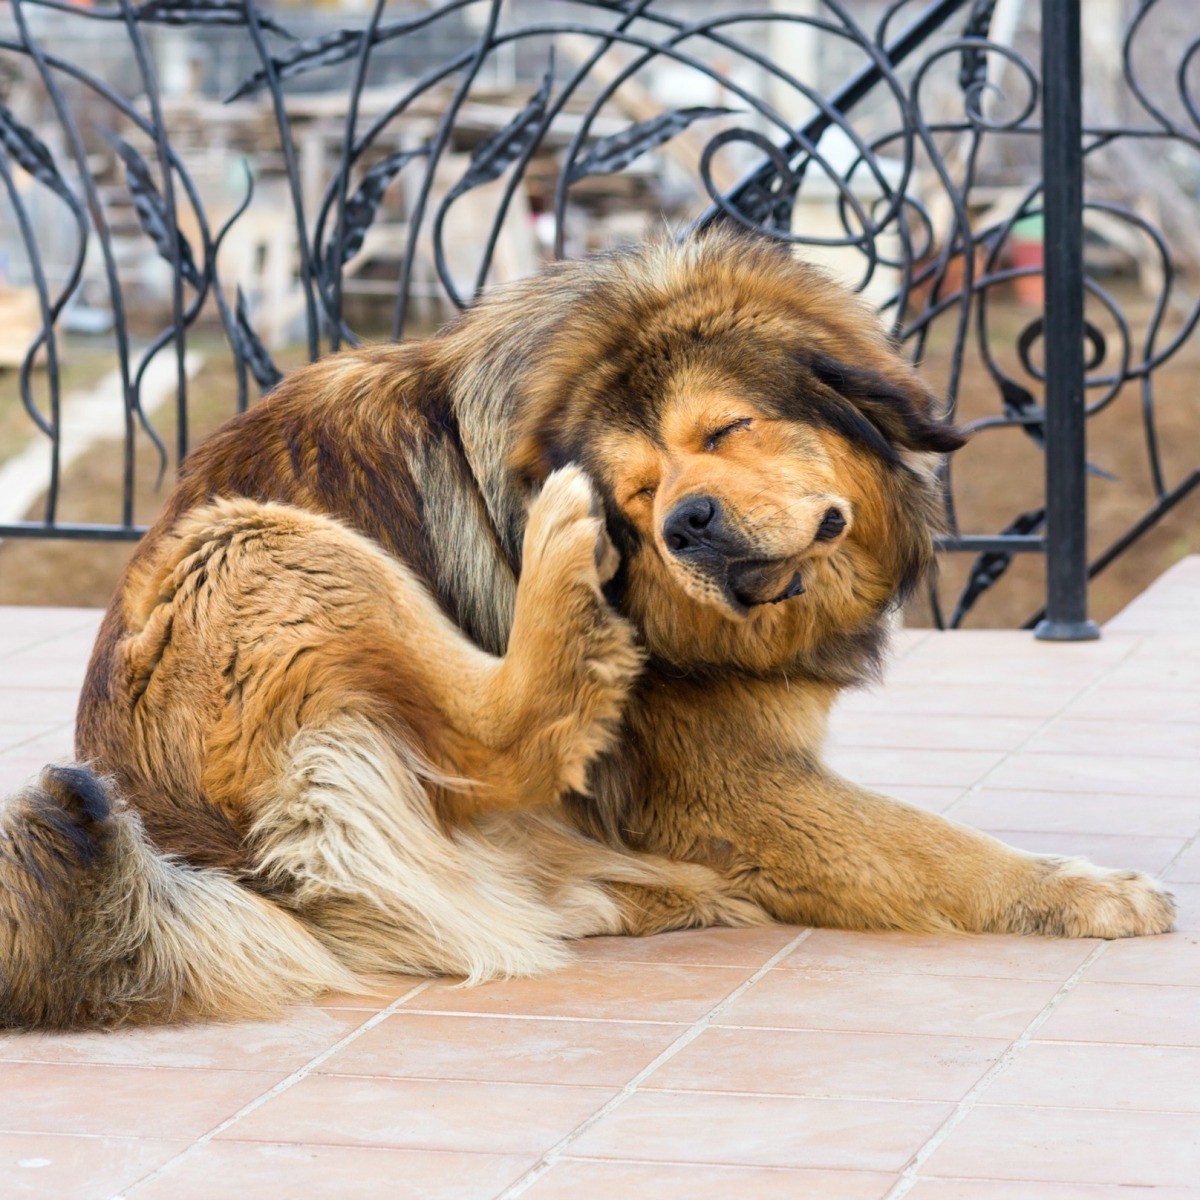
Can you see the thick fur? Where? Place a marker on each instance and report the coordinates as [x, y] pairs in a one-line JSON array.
[[450, 652]]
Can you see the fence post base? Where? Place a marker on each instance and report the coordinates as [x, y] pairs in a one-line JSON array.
[[1066, 631]]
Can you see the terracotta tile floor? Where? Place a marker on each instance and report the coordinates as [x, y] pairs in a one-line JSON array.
[[780, 1064]]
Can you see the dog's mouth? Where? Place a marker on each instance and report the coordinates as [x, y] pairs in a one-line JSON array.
[[751, 583]]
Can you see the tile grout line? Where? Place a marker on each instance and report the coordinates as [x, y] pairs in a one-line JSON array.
[[40, 643], [908, 1176], [556, 1151], [1188, 845], [282, 1086], [50, 731], [1045, 723]]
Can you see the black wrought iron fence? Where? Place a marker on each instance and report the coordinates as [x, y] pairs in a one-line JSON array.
[[402, 161]]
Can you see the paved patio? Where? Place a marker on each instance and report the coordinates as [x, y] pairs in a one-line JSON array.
[[782, 1063]]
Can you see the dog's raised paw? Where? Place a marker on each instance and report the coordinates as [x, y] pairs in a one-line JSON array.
[[565, 534]]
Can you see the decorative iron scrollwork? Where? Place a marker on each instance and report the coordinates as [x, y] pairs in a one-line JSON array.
[[901, 155]]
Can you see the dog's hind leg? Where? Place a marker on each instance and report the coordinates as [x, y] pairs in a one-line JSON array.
[[651, 894], [285, 617], [351, 843], [687, 896], [291, 675], [555, 700]]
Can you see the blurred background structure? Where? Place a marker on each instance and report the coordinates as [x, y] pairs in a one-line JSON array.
[[201, 194]]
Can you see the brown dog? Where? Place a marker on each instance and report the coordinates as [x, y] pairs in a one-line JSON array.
[[449, 652]]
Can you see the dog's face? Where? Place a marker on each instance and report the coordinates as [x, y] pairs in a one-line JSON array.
[[731, 504], [764, 455]]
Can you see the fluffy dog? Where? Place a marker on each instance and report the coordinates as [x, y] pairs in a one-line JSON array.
[[452, 651]]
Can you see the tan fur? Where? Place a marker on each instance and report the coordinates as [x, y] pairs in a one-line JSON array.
[[412, 674]]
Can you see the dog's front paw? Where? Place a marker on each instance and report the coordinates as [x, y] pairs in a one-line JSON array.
[[1083, 900], [565, 538]]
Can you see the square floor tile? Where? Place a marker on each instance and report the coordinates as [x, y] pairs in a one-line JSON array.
[[1168, 958], [1186, 869], [1127, 1012], [151, 1102], [878, 1066], [1010, 658], [1155, 739], [1081, 1075], [1124, 774], [1076, 1145], [986, 954], [897, 731], [999, 699], [609, 991], [1167, 663], [1160, 704], [37, 668], [1085, 812], [860, 1135], [29, 625], [962, 1006], [420, 1114], [245, 1046], [49, 704], [1004, 1189], [44, 1166], [258, 1169], [501, 1049], [596, 1179], [14, 734]]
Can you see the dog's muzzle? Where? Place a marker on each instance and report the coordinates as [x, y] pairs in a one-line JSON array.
[[699, 536]]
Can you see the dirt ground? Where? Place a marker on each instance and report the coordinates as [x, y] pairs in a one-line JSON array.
[[997, 476]]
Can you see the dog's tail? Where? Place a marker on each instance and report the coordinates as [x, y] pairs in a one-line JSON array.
[[99, 929]]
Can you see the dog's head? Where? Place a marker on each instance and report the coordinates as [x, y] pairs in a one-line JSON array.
[[764, 453]]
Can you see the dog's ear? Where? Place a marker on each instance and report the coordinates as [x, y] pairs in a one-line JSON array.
[[898, 407], [537, 451], [541, 444], [528, 462]]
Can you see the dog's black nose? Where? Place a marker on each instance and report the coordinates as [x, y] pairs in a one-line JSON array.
[[832, 523], [690, 525]]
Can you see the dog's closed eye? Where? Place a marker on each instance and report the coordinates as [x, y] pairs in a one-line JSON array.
[[715, 438]]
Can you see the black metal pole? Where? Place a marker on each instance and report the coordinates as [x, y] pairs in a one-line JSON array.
[[1066, 617]]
